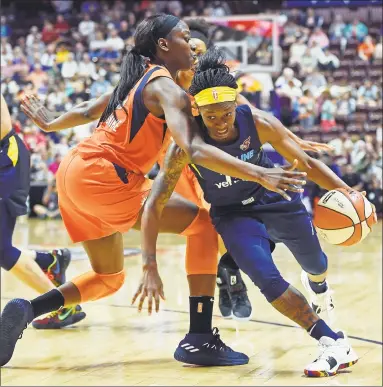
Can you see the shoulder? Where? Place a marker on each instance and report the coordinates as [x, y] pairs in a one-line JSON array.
[[167, 91]]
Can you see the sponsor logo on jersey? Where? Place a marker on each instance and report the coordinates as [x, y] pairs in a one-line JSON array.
[[245, 145]]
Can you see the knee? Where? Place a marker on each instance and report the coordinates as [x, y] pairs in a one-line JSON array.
[[94, 286], [9, 257], [315, 264], [112, 282], [274, 288]]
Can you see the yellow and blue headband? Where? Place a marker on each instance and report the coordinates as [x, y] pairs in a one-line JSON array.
[[215, 95]]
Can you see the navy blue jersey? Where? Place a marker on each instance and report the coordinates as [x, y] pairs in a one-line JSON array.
[[224, 191], [14, 174]]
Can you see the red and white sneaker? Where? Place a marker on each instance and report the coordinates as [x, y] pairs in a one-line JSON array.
[[333, 356]]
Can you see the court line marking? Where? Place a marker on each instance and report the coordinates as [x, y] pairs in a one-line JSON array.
[[255, 321]]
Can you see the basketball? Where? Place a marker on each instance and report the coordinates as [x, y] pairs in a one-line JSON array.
[[343, 217]]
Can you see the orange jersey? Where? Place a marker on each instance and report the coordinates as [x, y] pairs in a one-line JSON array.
[[133, 140]]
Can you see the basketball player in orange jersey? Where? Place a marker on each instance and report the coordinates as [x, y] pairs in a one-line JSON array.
[[39, 270], [233, 300], [102, 189]]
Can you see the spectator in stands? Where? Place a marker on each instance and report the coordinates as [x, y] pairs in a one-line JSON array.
[[49, 209], [367, 93], [125, 32], [315, 82], [49, 34], [32, 36], [38, 77], [375, 193], [87, 27], [307, 112], [351, 178], [114, 41], [99, 87], [328, 111], [175, 8], [87, 68], [356, 30], [6, 30], [328, 61], [311, 20], [346, 105], [337, 28], [39, 168], [61, 25], [378, 53], [297, 51], [69, 68], [54, 165], [291, 32], [291, 90], [48, 59], [319, 36], [307, 63], [287, 75], [366, 49]]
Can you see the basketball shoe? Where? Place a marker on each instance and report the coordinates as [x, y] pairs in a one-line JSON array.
[[207, 349], [60, 318], [57, 269], [16, 316], [233, 299], [333, 356], [322, 303]]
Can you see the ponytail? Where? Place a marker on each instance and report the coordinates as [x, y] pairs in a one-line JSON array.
[[132, 70]]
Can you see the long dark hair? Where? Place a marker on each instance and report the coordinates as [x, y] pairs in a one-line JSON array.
[[133, 64], [211, 71], [199, 29]]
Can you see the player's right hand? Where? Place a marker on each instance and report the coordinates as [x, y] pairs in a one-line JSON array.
[[36, 111], [150, 286], [283, 179]]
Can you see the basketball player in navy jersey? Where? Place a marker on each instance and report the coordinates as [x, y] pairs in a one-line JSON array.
[[249, 218], [41, 271]]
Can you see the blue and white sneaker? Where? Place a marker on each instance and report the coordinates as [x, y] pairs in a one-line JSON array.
[[207, 349], [16, 316]]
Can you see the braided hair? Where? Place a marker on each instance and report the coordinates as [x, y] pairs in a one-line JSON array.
[[211, 71]]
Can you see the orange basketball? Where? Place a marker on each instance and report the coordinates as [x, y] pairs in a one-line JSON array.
[[343, 217]]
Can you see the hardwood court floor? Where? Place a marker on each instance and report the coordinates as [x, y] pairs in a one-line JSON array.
[[115, 345]]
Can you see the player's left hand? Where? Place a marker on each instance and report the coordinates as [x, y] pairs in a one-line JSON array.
[[364, 193], [316, 147], [150, 286]]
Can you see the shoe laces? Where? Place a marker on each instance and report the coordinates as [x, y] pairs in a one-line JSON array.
[[216, 342]]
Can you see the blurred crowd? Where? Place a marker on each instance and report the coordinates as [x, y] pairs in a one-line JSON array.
[[72, 52]]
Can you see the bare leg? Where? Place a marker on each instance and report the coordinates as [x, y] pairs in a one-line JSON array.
[[29, 272], [106, 257]]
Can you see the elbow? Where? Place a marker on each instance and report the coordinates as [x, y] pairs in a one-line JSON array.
[[195, 153]]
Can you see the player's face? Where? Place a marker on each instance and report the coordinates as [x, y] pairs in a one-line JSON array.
[[219, 119], [180, 47]]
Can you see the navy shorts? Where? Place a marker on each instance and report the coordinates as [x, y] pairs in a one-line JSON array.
[[276, 219], [14, 174]]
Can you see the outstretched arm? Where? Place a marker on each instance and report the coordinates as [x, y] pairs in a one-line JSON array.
[[187, 134], [151, 284], [81, 114], [162, 189], [271, 130], [311, 146]]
